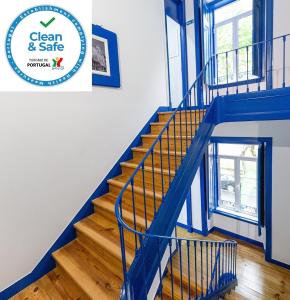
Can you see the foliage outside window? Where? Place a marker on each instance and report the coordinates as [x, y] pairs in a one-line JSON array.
[[233, 30]]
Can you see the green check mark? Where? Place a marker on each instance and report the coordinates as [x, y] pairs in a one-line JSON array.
[[48, 23]]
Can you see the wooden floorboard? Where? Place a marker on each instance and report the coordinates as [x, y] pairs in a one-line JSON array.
[[257, 279]]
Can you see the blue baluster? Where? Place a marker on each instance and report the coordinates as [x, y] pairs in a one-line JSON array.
[[153, 181], [161, 165], [160, 271], [171, 268], [284, 60], [227, 66], [206, 245], [247, 49], [144, 197], [175, 159], [123, 252], [134, 211], [180, 132], [180, 268], [195, 269], [168, 154], [217, 73], [188, 266], [237, 70], [201, 268]]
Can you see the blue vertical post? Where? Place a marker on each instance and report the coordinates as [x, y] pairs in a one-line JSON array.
[[183, 40], [198, 48]]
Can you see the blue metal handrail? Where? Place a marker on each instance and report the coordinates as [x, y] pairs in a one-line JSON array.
[[165, 241], [220, 266]]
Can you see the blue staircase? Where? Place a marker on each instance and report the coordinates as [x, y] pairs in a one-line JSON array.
[[165, 265]]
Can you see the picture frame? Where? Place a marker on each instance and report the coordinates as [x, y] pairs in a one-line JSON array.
[[105, 58]]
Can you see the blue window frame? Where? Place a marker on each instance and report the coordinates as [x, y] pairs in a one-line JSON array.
[[236, 177], [229, 25]]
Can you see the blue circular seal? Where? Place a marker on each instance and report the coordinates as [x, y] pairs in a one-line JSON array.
[[54, 9]]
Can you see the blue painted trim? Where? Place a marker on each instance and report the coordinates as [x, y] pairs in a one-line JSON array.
[[237, 236], [198, 49], [218, 4], [189, 209], [114, 79], [269, 36], [238, 140], [233, 216], [183, 41], [268, 198], [279, 263], [267, 141], [203, 197], [47, 263], [255, 106], [236, 83], [167, 51], [189, 229]]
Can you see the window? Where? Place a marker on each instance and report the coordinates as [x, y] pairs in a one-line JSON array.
[[235, 179], [233, 26]]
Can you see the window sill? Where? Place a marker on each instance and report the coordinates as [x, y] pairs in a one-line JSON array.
[[237, 216], [236, 83]]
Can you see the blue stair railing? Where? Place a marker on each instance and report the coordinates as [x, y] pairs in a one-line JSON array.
[[156, 262], [146, 255]]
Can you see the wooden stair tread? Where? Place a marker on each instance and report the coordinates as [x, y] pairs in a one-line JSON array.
[[145, 150], [134, 164], [127, 205], [108, 204], [177, 123], [55, 285], [88, 272], [171, 112], [170, 137], [167, 290], [121, 180], [105, 233]]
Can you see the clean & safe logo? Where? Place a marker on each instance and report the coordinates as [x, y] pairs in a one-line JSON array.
[[46, 45]]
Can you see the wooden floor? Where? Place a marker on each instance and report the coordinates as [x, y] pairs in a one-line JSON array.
[[257, 279]]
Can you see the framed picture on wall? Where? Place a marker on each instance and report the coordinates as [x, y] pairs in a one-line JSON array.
[[105, 58]]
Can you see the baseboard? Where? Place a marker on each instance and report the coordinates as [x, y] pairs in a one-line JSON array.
[[237, 236], [278, 263], [190, 229], [47, 263]]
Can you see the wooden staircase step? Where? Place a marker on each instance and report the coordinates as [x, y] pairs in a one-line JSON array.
[[56, 285], [88, 272], [167, 290], [109, 206], [164, 137], [145, 150], [102, 232], [120, 182], [133, 166], [183, 128], [196, 115]]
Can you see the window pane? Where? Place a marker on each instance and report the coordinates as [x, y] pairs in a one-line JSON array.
[[248, 175], [224, 41], [239, 150], [232, 10], [245, 57], [227, 183]]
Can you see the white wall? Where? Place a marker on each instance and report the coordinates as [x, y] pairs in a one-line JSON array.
[[191, 55], [175, 66], [279, 130], [196, 205], [57, 148]]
